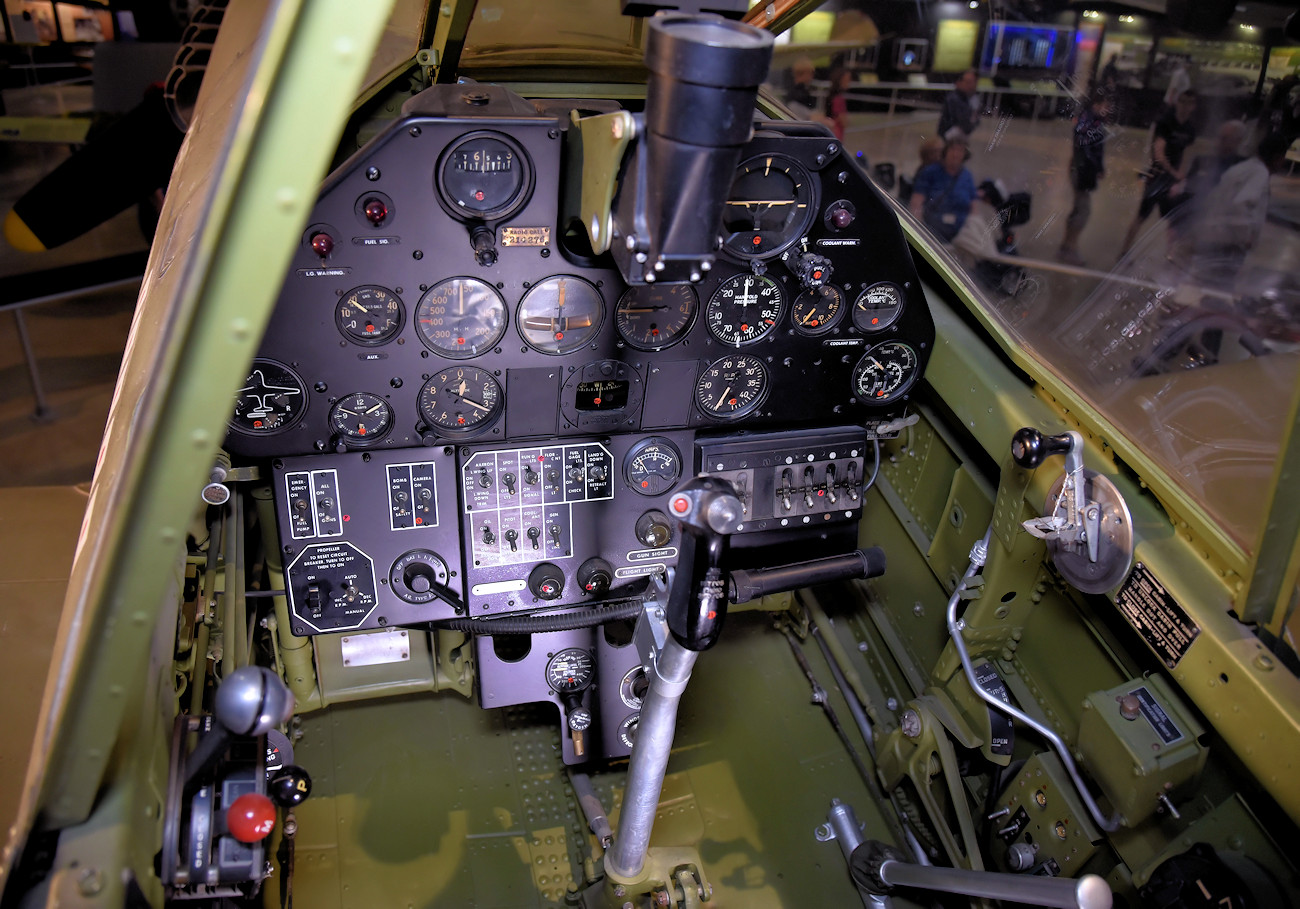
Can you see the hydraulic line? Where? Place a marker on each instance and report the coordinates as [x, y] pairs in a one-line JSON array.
[[978, 555]]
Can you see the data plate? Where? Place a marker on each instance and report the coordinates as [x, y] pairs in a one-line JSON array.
[[1156, 616]]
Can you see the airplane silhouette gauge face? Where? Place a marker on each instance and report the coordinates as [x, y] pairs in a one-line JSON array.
[[768, 208], [272, 399]]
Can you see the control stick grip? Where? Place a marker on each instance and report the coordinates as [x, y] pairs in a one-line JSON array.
[[1029, 447], [860, 563]]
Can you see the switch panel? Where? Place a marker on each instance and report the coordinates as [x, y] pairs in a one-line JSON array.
[[791, 479]]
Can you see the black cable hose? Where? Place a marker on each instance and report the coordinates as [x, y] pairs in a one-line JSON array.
[[536, 624]]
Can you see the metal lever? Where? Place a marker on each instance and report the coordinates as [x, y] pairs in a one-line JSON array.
[[1086, 523], [878, 868], [709, 512]]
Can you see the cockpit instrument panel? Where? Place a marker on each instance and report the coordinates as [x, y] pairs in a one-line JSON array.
[[461, 313]]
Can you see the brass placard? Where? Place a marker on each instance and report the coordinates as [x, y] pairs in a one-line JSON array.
[[525, 236]]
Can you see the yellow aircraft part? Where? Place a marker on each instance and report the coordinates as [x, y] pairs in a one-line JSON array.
[[20, 236]]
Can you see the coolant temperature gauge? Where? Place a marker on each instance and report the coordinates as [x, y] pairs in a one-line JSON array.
[[652, 466]]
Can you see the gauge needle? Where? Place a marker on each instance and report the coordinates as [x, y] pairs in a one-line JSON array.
[[460, 296], [350, 413], [373, 409], [639, 309], [808, 317], [359, 305], [723, 399], [475, 404]]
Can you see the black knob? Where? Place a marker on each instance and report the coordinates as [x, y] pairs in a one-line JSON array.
[[595, 576], [653, 529], [1029, 447], [546, 582], [289, 787]]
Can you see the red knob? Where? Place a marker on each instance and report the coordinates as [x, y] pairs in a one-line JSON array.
[[251, 817]]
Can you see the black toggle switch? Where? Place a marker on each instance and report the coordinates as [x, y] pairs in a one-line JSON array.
[[512, 537], [534, 534]]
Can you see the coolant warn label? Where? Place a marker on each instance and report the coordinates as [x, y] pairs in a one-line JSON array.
[[1156, 616]]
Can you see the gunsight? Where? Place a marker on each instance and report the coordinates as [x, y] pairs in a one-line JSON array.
[[704, 75]]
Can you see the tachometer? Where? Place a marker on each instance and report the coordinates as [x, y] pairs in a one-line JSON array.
[[272, 400], [460, 318], [744, 309], [885, 372], [768, 208], [560, 314], [655, 316], [463, 399], [369, 315], [731, 387]]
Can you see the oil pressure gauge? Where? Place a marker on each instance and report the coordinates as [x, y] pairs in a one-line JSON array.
[[652, 466]]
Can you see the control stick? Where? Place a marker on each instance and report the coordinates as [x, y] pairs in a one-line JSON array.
[[250, 702]]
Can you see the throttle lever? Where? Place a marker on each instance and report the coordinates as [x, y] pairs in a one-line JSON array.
[[709, 512]]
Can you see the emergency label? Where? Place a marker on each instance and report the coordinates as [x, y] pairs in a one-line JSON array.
[[1156, 616]]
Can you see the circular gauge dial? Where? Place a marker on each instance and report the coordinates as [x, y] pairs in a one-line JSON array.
[[744, 309], [652, 466], [460, 318], [361, 418], [462, 399], [655, 316], [878, 307], [885, 372], [560, 314], [271, 400], [768, 208], [817, 311], [570, 670], [369, 315], [732, 387], [484, 176]]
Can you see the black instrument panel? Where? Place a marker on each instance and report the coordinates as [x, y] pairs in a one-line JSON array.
[[466, 416], [493, 331]]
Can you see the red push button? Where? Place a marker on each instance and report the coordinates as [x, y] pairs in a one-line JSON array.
[[681, 504]]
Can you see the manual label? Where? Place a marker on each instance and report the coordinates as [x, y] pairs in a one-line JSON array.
[[1156, 616], [1160, 721]]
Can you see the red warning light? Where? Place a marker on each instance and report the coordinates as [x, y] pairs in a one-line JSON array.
[[758, 240]]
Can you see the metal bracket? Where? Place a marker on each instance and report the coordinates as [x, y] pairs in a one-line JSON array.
[[597, 146], [427, 58]]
